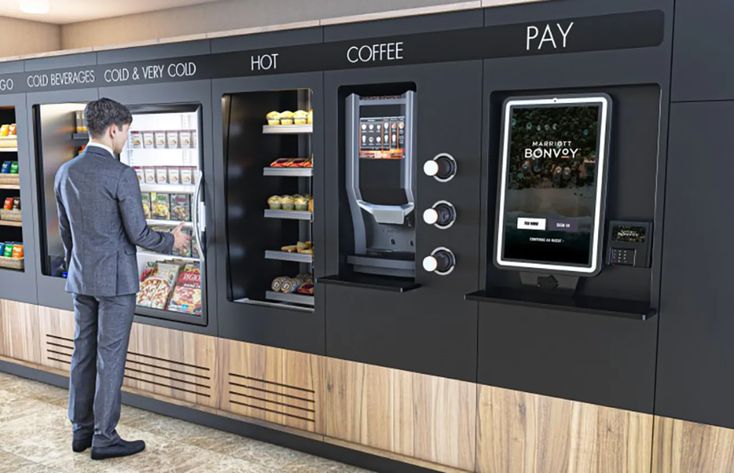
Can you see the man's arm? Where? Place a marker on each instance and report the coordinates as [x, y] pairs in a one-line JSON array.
[[133, 220], [64, 228]]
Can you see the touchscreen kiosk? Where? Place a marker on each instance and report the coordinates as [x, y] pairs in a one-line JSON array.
[[552, 184]]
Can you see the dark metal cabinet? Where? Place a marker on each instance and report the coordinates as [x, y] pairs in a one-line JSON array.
[[429, 328], [696, 353], [241, 150], [702, 64]]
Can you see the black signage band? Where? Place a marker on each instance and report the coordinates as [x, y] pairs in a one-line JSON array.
[[570, 35]]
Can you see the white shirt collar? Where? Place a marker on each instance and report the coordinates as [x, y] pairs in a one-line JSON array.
[[100, 145]]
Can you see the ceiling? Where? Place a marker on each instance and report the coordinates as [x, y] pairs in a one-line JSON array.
[[72, 11]]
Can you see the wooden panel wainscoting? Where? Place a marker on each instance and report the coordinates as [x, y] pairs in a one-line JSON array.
[[173, 364], [19, 331], [688, 447], [271, 384], [56, 337], [411, 414], [520, 432]]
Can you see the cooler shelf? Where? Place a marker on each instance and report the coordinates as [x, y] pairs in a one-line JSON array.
[[288, 172]]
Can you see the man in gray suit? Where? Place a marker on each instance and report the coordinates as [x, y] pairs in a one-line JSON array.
[[101, 221]]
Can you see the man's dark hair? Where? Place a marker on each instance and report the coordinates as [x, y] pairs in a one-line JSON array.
[[104, 112]]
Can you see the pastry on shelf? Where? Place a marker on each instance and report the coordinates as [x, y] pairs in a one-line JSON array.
[[275, 202], [286, 118], [292, 163], [289, 248], [300, 117], [273, 118], [287, 202], [300, 203]]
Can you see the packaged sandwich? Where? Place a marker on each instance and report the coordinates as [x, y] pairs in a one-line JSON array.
[[186, 297], [187, 176], [136, 139], [160, 139], [172, 139], [161, 175], [160, 205], [149, 174], [184, 139], [148, 139], [181, 207], [174, 175], [140, 173]]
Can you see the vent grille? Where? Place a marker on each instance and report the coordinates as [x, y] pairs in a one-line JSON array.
[[145, 369], [294, 402]]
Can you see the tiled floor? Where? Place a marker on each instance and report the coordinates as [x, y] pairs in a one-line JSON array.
[[35, 438]]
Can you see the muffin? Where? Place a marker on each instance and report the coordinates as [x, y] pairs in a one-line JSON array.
[[300, 117], [300, 202], [275, 202], [287, 202], [286, 118], [273, 118]]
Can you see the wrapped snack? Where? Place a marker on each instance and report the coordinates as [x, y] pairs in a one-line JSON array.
[[161, 175], [172, 139], [148, 139], [187, 176], [275, 202], [300, 203], [287, 202], [149, 174], [184, 139], [136, 139], [156, 288], [186, 297], [140, 173], [289, 285], [174, 175], [277, 283], [146, 204], [181, 207], [160, 139], [160, 205], [289, 248], [306, 289]]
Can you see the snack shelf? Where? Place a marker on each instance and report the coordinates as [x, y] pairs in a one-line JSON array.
[[289, 214], [8, 150], [160, 313], [168, 188], [10, 223], [10, 186], [150, 254], [288, 172], [172, 223], [285, 256], [287, 129], [290, 298]]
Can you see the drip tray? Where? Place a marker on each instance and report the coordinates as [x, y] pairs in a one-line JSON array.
[[382, 266]]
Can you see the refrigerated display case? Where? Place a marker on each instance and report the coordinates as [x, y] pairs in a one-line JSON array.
[[11, 222], [269, 162], [164, 149]]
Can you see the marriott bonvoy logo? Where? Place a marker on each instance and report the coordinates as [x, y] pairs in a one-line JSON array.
[[551, 149]]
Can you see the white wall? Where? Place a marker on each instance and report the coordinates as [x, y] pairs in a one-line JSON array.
[[222, 16], [18, 37]]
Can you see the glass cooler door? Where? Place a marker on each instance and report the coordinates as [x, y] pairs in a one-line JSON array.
[[164, 149]]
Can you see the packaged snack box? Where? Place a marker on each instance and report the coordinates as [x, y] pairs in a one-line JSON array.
[[184, 139], [141, 175], [14, 167], [157, 286], [174, 175], [187, 176], [172, 139], [160, 139], [186, 297], [149, 175], [148, 139], [8, 250], [136, 139], [160, 206], [161, 176], [181, 207]]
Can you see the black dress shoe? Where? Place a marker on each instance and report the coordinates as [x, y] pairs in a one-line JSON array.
[[121, 448], [81, 442]]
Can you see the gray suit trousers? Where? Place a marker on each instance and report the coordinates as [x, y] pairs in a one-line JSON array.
[[101, 336]]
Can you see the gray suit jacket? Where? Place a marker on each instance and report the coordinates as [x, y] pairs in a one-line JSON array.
[[101, 220]]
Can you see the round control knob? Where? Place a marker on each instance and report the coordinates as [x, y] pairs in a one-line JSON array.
[[442, 214], [440, 261], [442, 167]]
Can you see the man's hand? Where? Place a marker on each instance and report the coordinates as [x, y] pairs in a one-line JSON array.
[[181, 240]]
